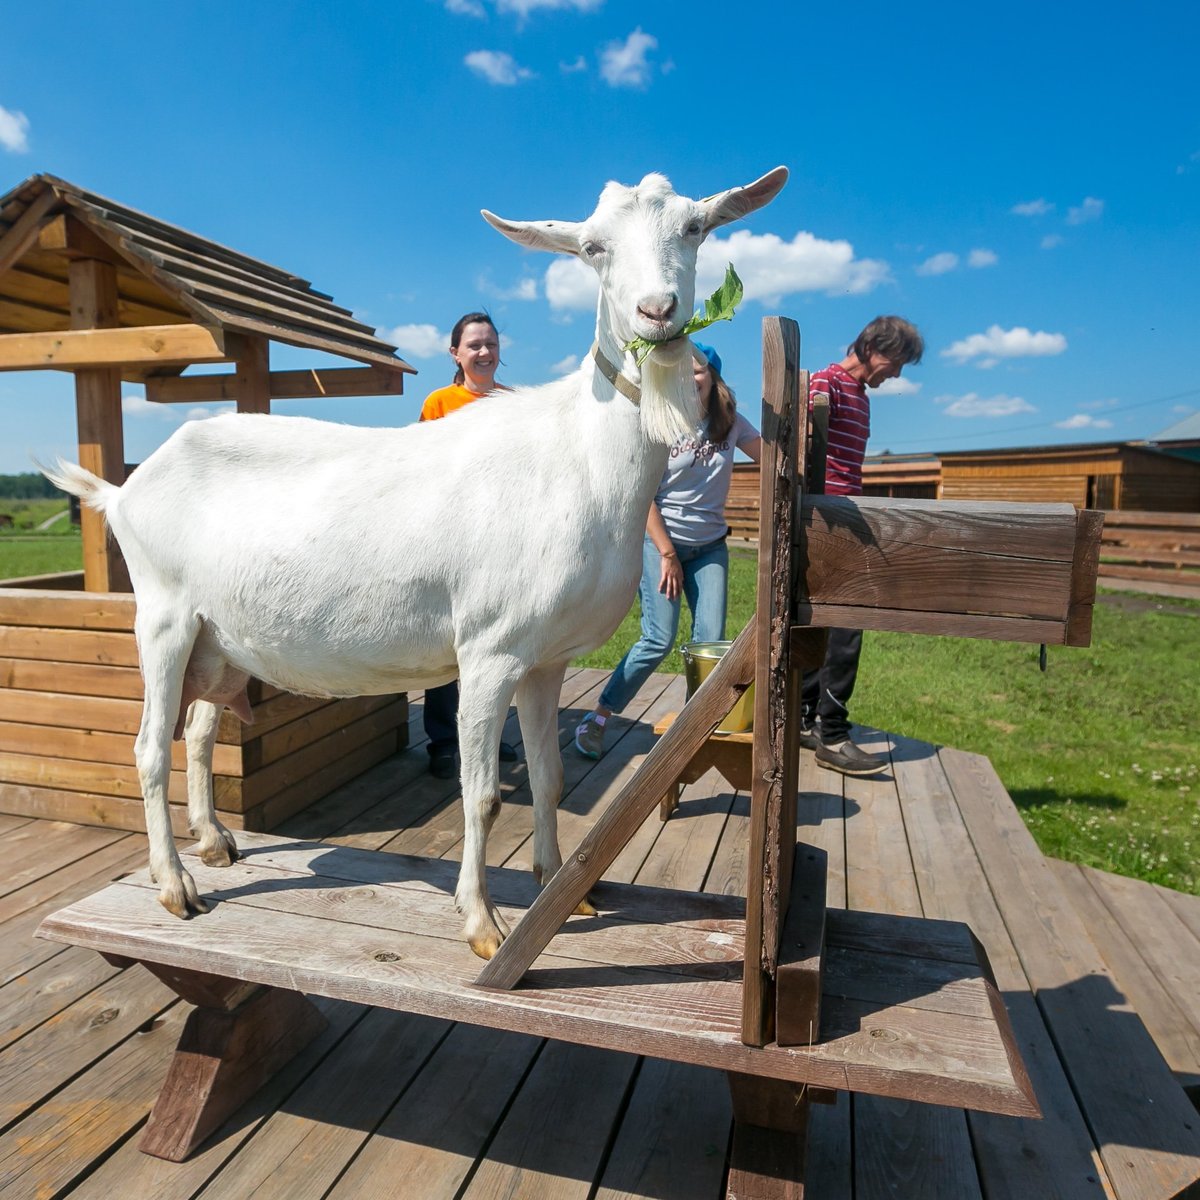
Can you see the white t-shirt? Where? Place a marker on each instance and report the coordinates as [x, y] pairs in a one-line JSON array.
[[695, 485]]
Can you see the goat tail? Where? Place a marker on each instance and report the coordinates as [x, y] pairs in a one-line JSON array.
[[95, 492]]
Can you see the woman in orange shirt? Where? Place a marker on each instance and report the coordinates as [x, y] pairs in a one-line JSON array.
[[475, 348]]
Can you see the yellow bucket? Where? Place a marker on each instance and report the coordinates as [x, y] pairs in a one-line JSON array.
[[699, 658]]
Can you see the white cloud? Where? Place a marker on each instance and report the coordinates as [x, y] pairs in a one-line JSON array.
[[974, 405], [565, 366], [939, 264], [523, 289], [1098, 405], [466, 8], [897, 387], [580, 64], [1032, 208], [202, 414], [135, 406], [1083, 421], [982, 258], [998, 343], [571, 285], [624, 64], [771, 268], [419, 341], [497, 67], [1051, 240], [1090, 210], [14, 130]]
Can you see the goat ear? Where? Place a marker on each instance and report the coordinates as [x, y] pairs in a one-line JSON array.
[[737, 202], [560, 237]]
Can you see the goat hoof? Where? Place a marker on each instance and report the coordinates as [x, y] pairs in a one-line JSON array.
[[221, 853], [585, 908], [486, 945]]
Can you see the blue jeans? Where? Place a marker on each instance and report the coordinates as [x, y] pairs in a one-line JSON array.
[[705, 570]]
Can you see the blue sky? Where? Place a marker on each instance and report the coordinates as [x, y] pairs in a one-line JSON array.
[[1022, 181]]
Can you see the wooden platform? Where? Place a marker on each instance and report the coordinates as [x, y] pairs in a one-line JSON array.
[[387, 1103]]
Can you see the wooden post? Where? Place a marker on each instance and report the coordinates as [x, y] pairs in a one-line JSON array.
[[93, 291], [770, 1138], [254, 376]]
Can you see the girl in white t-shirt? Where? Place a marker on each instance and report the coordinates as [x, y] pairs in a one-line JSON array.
[[684, 555]]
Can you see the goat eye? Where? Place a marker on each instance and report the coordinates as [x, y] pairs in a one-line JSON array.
[[693, 229], [591, 249]]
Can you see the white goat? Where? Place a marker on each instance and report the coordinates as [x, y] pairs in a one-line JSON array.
[[493, 546]]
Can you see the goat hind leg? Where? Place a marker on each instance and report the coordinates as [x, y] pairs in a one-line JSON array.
[[217, 846], [164, 643]]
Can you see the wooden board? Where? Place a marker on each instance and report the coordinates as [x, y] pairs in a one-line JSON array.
[[380, 929]]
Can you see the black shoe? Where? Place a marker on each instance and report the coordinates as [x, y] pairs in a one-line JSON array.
[[809, 738], [850, 759], [507, 753], [441, 762]]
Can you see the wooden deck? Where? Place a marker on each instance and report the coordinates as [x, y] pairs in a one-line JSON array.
[[391, 1104]]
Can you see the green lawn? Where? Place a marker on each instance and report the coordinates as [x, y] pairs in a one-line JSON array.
[[39, 554], [1099, 753]]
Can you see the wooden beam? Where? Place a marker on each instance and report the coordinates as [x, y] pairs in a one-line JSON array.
[[70, 238], [327, 383], [253, 376], [93, 288], [99, 347], [24, 230]]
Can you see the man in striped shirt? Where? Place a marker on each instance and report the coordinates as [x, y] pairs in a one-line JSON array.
[[880, 352]]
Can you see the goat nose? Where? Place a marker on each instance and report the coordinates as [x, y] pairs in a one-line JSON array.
[[660, 308]]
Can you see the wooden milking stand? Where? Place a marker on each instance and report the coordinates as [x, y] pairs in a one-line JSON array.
[[706, 979]]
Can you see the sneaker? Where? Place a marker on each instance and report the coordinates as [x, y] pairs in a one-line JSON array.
[[850, 759], [441, 762], [507, 753], [589, 737], [809, 738]]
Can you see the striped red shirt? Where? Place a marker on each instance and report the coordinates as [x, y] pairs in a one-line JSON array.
[[849, 428]]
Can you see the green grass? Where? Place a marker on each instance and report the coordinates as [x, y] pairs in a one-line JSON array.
[[41, 554], [1099, 753]]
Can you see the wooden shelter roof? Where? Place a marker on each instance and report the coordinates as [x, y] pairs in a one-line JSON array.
[[165, 275]]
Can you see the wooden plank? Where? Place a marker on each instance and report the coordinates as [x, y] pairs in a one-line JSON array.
[[69, 645], [802, 952], [49, 608], [707, 708], [93, 808], [252, 378], [64, 711], [1083, 578], [326, 383], [57, 1142], [940, 624], [86, 679], [81, 776], [269, 745], [1154, 957], [40, 848], [1143, 1124], [23, 232], [776, 695], [96, 746], [150, 345], [930, 555]]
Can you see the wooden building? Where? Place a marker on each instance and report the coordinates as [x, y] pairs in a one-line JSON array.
[[94, 288]]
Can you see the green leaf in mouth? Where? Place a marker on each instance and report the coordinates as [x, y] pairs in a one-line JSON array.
[[719, 306]]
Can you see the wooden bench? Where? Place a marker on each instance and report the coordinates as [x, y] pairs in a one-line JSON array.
[[728, 752], [658, 972]]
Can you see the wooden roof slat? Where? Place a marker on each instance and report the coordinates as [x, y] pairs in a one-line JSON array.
[[183, 261], [22, 233]]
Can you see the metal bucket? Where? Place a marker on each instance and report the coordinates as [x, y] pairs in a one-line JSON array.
[[699, 658]]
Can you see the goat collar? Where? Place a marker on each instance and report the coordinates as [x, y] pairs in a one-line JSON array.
[[629, 390]]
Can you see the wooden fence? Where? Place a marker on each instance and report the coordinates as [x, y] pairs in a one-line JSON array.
[[1153, 547]]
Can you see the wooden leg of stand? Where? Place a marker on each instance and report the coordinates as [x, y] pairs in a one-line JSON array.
[[224, 1056], [669, 803], [770, 1139]]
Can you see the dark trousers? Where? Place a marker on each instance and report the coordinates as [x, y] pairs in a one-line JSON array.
[[827, 692], [441, 716]]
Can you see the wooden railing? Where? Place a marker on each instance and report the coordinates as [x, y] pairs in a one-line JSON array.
[[1151, 546]]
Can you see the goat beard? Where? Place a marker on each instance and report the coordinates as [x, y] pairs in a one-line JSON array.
[[670, 407]]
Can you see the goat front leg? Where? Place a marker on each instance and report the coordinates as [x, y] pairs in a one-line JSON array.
[[164, 644], [217, 845], [484, 693], [537, 707]]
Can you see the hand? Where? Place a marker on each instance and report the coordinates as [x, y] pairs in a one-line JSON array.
[[670, 582]]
